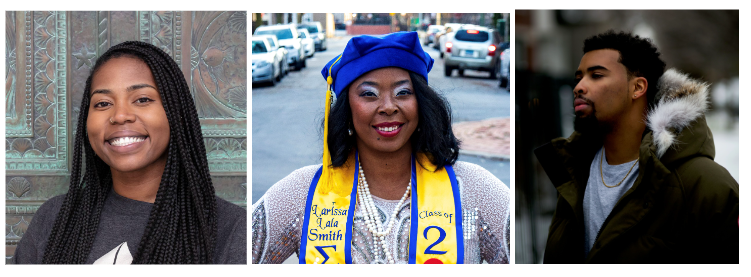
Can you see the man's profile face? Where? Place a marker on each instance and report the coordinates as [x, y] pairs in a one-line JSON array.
[[602, 83]]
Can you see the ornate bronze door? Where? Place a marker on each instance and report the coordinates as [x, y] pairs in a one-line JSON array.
[[48, 57]]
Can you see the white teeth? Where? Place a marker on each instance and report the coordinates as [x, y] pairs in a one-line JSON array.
[[123, 141], [387, 129]]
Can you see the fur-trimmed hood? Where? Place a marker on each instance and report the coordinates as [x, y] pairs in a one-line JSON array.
[[677, 120]]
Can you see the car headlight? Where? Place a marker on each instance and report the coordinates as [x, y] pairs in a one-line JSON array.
[[262, 64]]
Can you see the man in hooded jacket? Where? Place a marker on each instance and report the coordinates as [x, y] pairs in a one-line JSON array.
[[637, 181]]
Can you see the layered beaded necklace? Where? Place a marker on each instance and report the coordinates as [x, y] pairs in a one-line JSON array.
[[372, 217]]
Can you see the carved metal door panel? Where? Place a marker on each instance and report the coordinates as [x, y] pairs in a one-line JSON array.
[[48, 57]]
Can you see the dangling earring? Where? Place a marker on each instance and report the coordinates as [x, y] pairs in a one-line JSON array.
[[349, 131], [418, 129]]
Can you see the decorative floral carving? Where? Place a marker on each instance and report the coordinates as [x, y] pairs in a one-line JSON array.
[[225, 148], [229, 145], [41, 103], [238, 22], [41, 36], [33, 154], [18, 187], [21, 227], [15, 227], [36, 150], [21, 145], [12, 154], [161, 22], [40, 17], [238, 97], [50, 152], [41, 126], [221, 64], [210, 144], [41, 82], [41, 144]]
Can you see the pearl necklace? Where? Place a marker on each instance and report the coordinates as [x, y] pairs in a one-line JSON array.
[[371, 214]]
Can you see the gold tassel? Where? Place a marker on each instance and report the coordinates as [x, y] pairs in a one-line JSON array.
[[327, 170]]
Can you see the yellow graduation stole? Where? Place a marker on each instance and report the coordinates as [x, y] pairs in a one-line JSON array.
[[436, 235]]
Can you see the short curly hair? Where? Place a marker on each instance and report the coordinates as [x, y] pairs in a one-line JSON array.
[[638, 55]]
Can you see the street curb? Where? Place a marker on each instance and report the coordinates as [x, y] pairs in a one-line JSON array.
[[486, 155]]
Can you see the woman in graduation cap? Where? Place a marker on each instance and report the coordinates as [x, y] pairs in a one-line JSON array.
[[390, 189]]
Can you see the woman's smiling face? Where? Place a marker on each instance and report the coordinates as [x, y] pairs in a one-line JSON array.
[[127, 126], [384, 109]]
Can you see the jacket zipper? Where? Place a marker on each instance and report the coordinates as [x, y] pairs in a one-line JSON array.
[[600, 231], [603, 227], [598, 235], [607, 220]]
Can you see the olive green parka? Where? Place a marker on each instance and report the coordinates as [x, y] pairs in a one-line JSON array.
[[683, 206]]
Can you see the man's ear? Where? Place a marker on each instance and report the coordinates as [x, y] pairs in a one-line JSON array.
[[638, 87]]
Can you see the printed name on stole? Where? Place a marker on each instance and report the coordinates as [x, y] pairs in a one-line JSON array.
[[332, 211], [314, 235], [426, 214], [330, 223]]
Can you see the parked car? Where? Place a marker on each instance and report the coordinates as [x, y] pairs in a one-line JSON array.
[[476, 48], [318, 34], [307, 42], [505, 70], [265, 65], [432, 31], [504, 46], [443, 41], [437, 37], [288, 38], [281, 52], [448, 28]]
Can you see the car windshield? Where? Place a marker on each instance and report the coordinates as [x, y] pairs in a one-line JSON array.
[[259, 47], [279, 33], [434, 29], [471, 35], [302, 35], [271, 41], [311, 28]]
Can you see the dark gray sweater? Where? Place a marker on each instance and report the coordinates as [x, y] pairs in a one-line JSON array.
[[124, 220]]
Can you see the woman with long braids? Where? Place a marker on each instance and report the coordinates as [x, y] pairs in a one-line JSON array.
[[140, 189], [390, 189]]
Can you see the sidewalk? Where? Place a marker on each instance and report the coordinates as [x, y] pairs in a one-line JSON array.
[[489, 138]]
